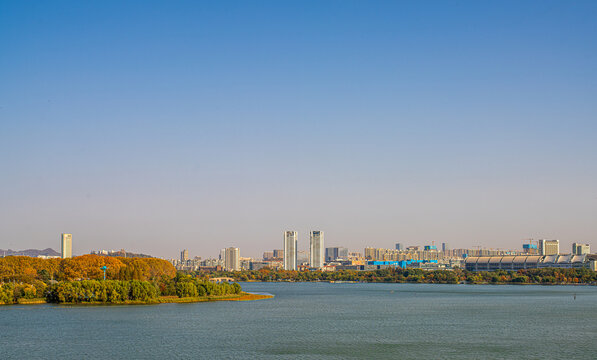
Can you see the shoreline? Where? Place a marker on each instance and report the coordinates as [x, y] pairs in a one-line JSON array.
[[426, 283], [243, 296]]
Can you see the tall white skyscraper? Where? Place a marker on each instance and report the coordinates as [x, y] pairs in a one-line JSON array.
[[290, 253], [232, 259], [316, 254], [67, 246]]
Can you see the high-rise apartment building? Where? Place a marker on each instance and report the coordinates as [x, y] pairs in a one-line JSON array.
[[279, 254], [444, 247], [316, 253], [399, 247], [232, 259], [581, 249], [336, 253], [290, 251], [184, 256], [67, 246], [549, 247]]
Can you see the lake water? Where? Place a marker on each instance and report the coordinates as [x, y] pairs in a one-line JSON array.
[[320, 321]]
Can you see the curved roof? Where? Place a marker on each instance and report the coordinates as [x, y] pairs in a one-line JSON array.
[[564, 259], [471, 260], [483, 260], [533, 259], [495, 260], [518, 259], [550, 259], [578, 258]]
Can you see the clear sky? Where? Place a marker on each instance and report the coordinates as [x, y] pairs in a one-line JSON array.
[[157, 126]]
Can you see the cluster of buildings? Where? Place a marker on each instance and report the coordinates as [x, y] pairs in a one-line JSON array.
[[541, 253], [546, 254]]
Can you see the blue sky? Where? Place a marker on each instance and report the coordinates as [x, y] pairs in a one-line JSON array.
[[156, 126]]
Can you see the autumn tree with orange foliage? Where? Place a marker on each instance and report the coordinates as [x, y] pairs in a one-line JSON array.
[[86, 267]]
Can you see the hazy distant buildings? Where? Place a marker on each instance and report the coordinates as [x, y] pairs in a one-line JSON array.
[[530, 249], [232, 259], [279, 254], [316, 255], [581, 249], [336, 253], [399, 247], [445, 247], [184, 256], [290, 250], [549, 247], [67, 246]]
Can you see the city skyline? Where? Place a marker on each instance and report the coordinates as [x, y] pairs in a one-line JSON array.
[[291, 240], [377, 123]]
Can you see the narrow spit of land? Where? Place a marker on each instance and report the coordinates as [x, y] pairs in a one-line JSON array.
[[243, 296]]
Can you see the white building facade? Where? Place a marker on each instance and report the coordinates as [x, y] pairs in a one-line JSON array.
[[317, 249], [232, 259], [66, 245], [290, 251]]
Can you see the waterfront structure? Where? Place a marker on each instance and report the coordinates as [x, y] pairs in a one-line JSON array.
[[184, 256], [316, 256], [66, 246], [492, 263], [336, 253], [290, 251], [232, 259], [549, 247], [581, 249], [399, 247]]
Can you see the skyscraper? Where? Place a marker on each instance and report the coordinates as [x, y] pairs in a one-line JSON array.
[[399, 247], [232, 261], [67, 246], [290, 253], [184, 256], [316, 256], [444, 247], [549, 247]]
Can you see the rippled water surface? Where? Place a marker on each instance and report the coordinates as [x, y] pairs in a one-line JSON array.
[[320, 321]]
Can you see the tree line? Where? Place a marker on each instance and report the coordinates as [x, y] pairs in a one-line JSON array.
[[80, 280], [398, 275]]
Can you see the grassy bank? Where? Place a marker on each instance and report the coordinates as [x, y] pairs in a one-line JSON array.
[[243, 296]]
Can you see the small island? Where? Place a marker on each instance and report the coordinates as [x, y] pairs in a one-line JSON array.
[[92, 279]]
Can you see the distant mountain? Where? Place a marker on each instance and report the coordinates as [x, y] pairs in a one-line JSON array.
[[29, 252]]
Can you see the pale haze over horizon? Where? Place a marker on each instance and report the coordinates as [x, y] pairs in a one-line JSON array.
[[160, 126]]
